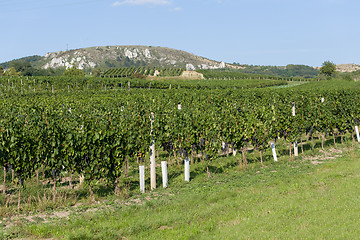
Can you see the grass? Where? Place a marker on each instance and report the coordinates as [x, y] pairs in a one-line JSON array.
[[290, 84], [287, 199]]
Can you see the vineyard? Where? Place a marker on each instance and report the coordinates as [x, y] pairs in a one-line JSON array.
[[144, 71], [26, 85], [235, 74], [96, 132]]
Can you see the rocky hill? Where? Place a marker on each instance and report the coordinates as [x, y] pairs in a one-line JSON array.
[[350, 67], [347, 67], [123, 56]]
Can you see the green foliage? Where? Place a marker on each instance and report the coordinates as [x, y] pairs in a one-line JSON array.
[[228, 74], [12, 72], [31, 59], [73, 72], [138, 76], [146, 71], [347, 77], [25, 67], [20, 66], [1, 70], [96, 72], [328, 68], [53, 71], [91, 132], [93, 135], [65, 84], [291, 70]]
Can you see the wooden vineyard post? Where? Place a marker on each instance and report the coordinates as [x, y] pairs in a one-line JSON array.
[[128, 85], [187, 169], [70, 180], [54, 186], [302, 145], [357, 133], [164, 173], [261, 157], [37, 176], [126, 166], [142, 178], [152, 157], [290, 146], [81, 179], [19, 199], [4, 184], [274, 152]]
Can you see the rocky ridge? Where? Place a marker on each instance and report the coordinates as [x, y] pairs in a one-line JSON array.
[[119, 56], [347, 67]]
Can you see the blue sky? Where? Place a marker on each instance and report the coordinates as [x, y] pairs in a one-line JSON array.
[[258, 32]]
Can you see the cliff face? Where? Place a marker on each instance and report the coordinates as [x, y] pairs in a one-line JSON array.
[[120, 56]]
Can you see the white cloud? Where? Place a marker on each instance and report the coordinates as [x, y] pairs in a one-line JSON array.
[[141, 2], [177, 9]]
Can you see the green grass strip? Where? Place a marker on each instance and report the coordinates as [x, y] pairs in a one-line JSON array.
[[288, 199]]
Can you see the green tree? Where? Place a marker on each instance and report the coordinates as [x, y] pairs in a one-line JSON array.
[[12, 72], [96, 72], [1, 70], [328, 68], [73, 72], [20, 66]]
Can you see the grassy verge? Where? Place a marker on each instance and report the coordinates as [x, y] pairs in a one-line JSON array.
[[290, 84], [287, 199]]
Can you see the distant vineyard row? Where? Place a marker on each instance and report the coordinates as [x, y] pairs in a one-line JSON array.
[[145, 71], [233, 75], [25, 85]]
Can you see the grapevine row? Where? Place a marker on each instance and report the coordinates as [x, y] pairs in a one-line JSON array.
[[22, 85], [233, 74], [145, 71], [93, 135]]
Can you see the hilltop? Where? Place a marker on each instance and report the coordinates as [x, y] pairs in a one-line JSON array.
[[122, 56]]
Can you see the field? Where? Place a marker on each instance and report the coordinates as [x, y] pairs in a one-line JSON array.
[[71, 149]]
